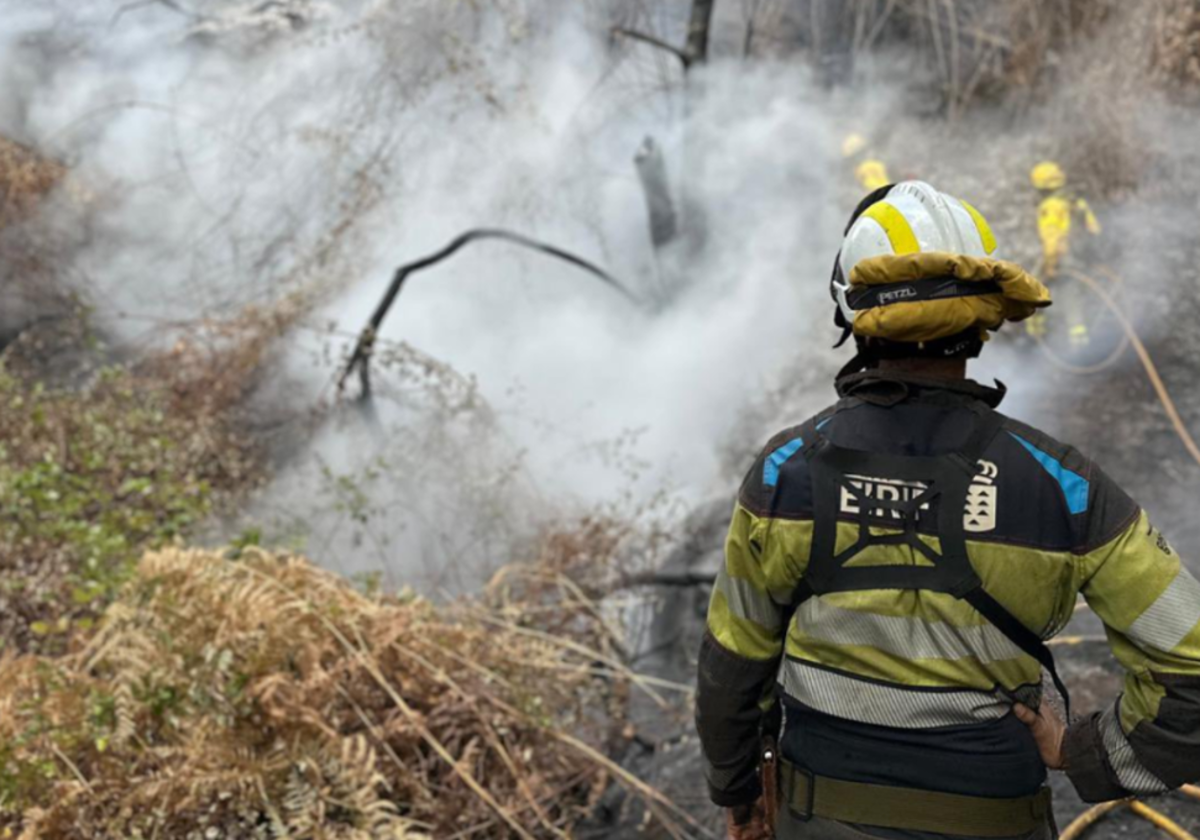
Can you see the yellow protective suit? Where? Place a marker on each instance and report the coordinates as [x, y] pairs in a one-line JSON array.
[[872, 174], [1055, 214]]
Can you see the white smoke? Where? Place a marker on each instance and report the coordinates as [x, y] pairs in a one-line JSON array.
[[610, 403], [238, 152], [228, 148]]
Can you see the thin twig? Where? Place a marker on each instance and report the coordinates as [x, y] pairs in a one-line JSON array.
[[70, 764], [634, 35], [140, 4], [490, 733], [671, 579], [637, 679]]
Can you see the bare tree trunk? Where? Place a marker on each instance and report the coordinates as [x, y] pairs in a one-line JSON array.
[[698, 31], [660, 210], [683, 220], [652, 171]]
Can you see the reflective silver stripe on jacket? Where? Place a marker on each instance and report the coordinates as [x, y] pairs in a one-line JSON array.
[[903, 636], [887, 705], [1131, 773], [748, 601], [1171, 617]]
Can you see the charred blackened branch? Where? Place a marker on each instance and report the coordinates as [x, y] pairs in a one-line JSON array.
[[675, 580], [360, 358], [695, 51], [634, 35]]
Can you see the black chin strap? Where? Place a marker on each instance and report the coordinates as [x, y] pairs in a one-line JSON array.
[[857, 364], [846, 333], [964, 345]]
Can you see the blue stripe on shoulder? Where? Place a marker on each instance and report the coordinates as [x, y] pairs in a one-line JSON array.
[[1074, 486], [777, 459]]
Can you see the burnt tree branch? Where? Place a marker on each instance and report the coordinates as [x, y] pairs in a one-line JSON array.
[[678, 580], [695, 51], [360, 357], [634, 35]]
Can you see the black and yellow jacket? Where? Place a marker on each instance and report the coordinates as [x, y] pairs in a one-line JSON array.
[[915, 688]]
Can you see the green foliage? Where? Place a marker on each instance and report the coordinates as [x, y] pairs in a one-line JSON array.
[[88, 480]]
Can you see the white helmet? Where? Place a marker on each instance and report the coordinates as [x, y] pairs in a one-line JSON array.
[[908, 218]]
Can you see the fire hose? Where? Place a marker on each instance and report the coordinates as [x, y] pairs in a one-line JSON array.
[[1098, 812], [1113, 357], [1129, 338]]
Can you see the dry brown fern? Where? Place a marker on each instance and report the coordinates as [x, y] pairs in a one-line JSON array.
[[265, 695]]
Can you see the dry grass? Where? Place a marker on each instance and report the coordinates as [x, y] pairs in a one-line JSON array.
[[262, 697], [25, 177], [1175, 48]]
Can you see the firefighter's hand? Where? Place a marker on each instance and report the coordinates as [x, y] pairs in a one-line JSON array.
[[1048, 732], [748, 822]]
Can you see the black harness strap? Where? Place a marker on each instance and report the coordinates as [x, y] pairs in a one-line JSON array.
[[1020, 635], [810, 434], [895, 491]]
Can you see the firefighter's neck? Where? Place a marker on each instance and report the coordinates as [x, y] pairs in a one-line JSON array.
[[930, 368]]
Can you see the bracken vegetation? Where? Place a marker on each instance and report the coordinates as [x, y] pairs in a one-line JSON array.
[[252, 695], [151, 690]]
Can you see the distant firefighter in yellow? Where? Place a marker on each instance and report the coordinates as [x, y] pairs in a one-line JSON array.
[[1057, 209], [870, 172]]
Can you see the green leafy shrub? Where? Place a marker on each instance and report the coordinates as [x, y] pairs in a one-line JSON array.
[[88, 480]]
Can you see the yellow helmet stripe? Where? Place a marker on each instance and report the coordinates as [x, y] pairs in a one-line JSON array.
[[985, 230], [899, 231]]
